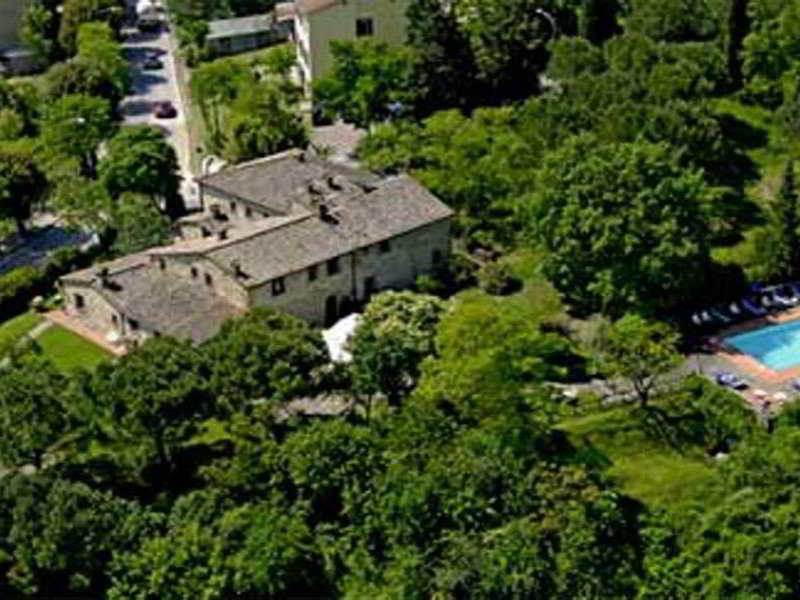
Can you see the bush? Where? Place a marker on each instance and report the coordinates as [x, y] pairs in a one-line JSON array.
[[495, 278], [20, 286]]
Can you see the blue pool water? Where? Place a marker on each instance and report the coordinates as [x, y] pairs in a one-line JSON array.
[[776, 346]]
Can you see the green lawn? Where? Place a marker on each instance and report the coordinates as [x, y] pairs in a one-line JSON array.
[[646, 468], [12, 330], [69, 351]]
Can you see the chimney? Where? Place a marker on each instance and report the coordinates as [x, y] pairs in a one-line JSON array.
[[334, 183], [236, 267], [102, 275], [325, 215]]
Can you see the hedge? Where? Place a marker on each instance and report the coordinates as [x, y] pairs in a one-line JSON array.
[[20, 286]]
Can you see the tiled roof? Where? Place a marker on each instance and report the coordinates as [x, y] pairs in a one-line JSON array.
[[398, 206], [182, 308], [250, 25], [277, 181]]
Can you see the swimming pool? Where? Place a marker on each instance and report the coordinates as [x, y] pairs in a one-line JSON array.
[[776, 346]]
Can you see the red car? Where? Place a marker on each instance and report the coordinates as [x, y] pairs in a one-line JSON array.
[[165, 110]]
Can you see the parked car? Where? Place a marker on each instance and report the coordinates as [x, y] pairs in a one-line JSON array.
[[165, 110], [152, 63]]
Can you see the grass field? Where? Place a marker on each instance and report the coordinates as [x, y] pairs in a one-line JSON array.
[[69, 351], [12, 330], [645, 467]]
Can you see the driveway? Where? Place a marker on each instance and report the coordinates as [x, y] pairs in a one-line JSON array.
[[151, 86]]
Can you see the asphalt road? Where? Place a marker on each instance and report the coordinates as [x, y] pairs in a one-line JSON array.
[[152, 86]]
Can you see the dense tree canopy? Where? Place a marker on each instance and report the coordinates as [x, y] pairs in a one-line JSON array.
[[139, 159], [623, 225]]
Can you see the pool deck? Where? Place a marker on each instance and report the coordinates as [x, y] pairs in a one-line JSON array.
[[749, 366]]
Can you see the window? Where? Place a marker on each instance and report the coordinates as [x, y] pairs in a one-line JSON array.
[[209, 279], [364, 27], [278, 286], [333, 266], [437, 257], [233, 207], [133, 324], [248, 212], [194, 272], [114, 320], [384, 246], [79, 301], [162, 264], [312, 273]]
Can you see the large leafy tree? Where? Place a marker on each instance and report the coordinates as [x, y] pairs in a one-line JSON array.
[[509, 41], [21, 182], [367, 79], [98, 69], [444, 71], [139, 159], [137, 224], [262, 120], [640, 352], [75, 13], [623, 225], [395, 334], [152, 402], [73, 127], [33, 411], [63, 534], [264, 355]]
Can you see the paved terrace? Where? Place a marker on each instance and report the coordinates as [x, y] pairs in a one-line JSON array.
[[726, 358]]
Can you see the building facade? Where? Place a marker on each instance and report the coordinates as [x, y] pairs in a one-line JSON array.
[[242, 34], [291, 232], [10, 16], [319, 22]]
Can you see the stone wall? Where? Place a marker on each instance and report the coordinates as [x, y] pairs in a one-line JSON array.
[[99, 314], [408, 256], [221, 284]]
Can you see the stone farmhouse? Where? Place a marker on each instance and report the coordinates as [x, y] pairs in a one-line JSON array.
[[292, 231]]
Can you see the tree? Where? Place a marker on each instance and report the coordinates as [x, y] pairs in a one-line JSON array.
[[623, 225], [21, 182], [37, 31], [214, 85], [33, 411], [75, 13], [264, 355], [262, 120], [64, 534], [367, 78], [153, 401], [255, 550], [640, 352], [78, 200], [444, 71], [678, 20], [508, 39], [786, 219], [74, 126], [138, 159], [138, 224], [102, 63], [396, 333]]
